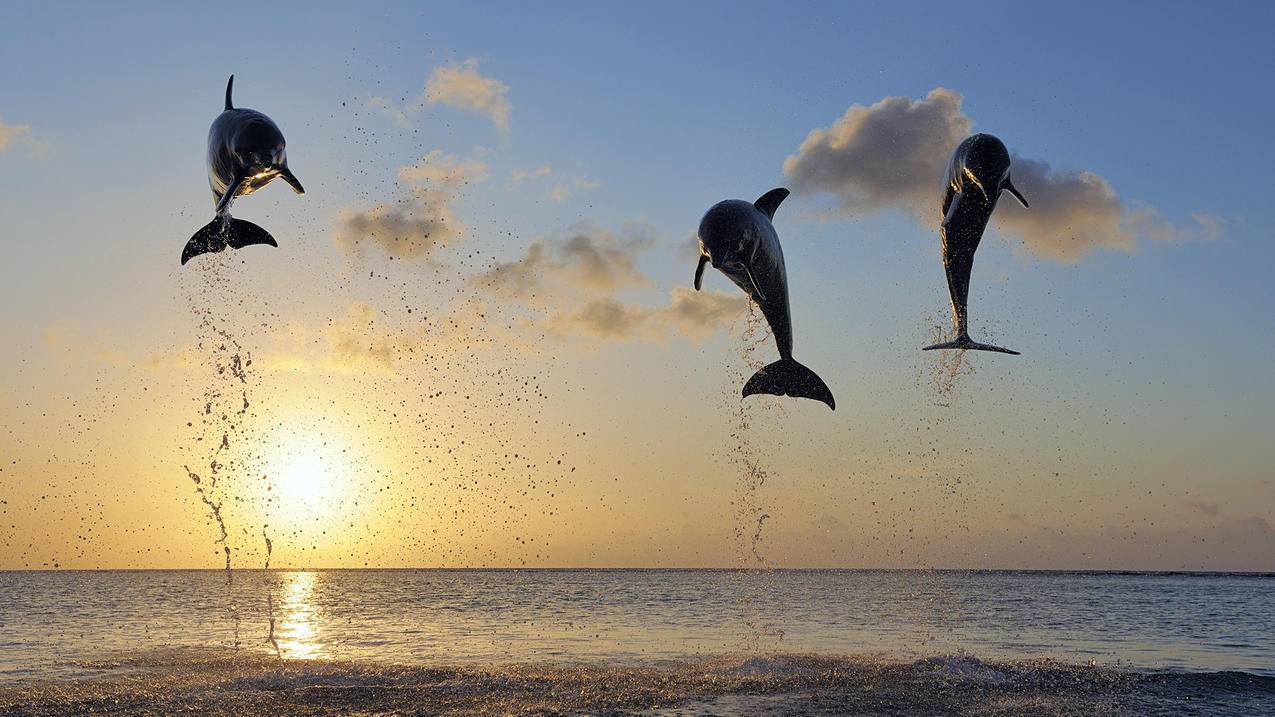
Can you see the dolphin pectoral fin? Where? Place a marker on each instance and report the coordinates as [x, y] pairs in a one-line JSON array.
[[292, 180], [699, 271], [966, 343], [228, 196], [751, 280], [952, 207], [1009, 187], [770, 201], [229, 85], [786, 377]]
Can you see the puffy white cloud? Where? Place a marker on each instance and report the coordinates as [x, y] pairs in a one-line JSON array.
[[893, 154], [461, 86]]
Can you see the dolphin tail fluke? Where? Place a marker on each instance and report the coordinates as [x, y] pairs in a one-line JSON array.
[[965, 342], [221, 233], [786, 377]]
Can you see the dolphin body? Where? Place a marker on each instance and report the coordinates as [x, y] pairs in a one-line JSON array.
[[979, 170], [245, 151], [738, 238]]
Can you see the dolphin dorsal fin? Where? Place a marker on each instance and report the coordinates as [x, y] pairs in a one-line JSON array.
[[769, 202], [229, 85]]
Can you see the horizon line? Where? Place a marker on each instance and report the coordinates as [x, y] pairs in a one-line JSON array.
[[1091, 571]]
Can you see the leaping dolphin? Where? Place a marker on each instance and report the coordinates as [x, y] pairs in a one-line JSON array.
[[740, 240], [979, 170], [245, 151]]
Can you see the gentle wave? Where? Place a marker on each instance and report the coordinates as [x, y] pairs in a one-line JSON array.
[[224, 682]]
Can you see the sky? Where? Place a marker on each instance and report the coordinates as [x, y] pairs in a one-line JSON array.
[[477, 343]]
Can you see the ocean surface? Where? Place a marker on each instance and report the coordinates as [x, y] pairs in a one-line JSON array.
[[653, 642]]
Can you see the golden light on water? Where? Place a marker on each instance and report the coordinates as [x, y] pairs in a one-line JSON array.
[[296, 626]]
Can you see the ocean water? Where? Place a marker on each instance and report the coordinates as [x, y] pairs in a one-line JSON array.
[[784, 642]]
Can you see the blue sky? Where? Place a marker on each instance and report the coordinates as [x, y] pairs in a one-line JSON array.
[[1150, 364]]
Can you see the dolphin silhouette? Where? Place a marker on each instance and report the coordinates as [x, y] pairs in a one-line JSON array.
[[979, 170], [738, 238], [245, 151]]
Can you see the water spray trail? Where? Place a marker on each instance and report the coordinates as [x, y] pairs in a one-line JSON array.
[[222, 417], [750, 515], [947, 369], [270, 594], [214, 510]]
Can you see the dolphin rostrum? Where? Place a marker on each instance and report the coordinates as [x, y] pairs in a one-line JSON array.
[[979, 170], [245, 151], [737, 237]]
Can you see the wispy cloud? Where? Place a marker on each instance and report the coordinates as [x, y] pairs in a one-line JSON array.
[[415, 225], [586, 258], [690, 313], [893, 153], [461, 86], [562, 191], [573, 283], [15, 135], [1210, 508], [518, 176], [393, 111]]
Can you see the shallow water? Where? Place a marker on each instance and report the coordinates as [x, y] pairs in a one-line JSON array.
[[625, 641]]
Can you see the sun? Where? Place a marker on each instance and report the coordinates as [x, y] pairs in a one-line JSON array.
[[304, 477], [308, 473]]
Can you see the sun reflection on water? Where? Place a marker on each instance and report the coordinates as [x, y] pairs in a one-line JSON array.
[[296, 619]]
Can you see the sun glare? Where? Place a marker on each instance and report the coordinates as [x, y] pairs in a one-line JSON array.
[[308, 473], [303, 477]]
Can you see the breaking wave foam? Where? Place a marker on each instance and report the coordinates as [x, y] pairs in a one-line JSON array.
[[222, 682]]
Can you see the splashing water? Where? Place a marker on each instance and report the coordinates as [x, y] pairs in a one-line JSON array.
[[214, 511], [226, 410], [946, 368], [750, 510], [175, 681]]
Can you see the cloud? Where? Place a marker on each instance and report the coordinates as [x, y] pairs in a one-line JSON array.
[[586, 258], [356, 342], [392, 110], [1210, 508], [694, 314], [890, 154], [519, 176], [460, 86], [1074, 212], [893, 154], [563, 191], [414, 226], [13, 135], [572, 283]]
